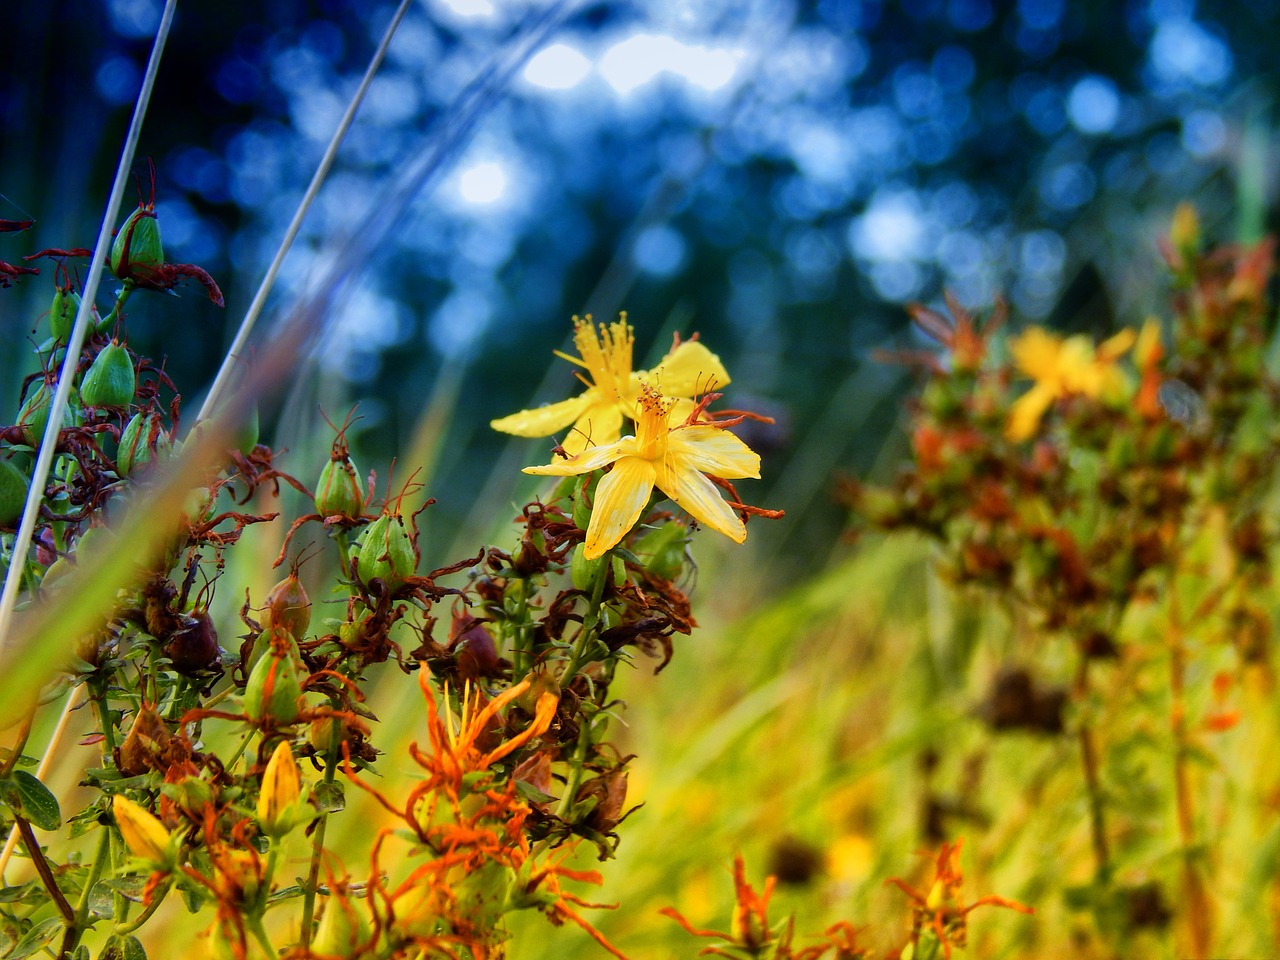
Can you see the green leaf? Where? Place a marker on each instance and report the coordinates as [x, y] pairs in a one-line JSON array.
[[329, 797], [34, 801], [37, 938], [16, 894]]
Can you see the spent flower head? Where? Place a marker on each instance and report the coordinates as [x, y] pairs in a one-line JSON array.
[[613, 387]]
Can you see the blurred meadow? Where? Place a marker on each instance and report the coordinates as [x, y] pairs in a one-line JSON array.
[[782, 179]]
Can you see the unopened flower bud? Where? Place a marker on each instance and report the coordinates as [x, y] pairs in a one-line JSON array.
[[110, 381], [288, 606], [1184, 233], [13, 493], [279, 801], [275, 683], [338, 493], [583, 572], [581, 502], [138, 252], [144, 835], [386, 552]]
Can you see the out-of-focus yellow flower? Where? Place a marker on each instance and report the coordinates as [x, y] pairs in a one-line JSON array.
[[1062, 367], [674, 459], [144, 835], [613, 388]]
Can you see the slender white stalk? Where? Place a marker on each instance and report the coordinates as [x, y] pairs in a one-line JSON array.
[[221, 381], [71, 358]]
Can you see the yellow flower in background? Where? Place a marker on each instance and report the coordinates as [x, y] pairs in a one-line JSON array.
[[674, 459], [1062, 367], [613, 388]]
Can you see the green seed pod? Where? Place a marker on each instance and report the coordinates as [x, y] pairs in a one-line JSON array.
[[581, 506], [338, 493], [288, 607], [386, 552], [583, 572], [662, 550], [34, 414], [343, 929], [13, 493], [62, 314], [137, 252], [275, 684], [111, 381], [143, 441]]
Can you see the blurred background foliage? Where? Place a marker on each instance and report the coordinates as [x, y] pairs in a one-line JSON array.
[[778, 176]]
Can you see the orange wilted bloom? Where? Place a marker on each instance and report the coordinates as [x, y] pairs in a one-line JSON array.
[[473, 827], [752, 936], [1061, 368], [940, 910], [613, 388]]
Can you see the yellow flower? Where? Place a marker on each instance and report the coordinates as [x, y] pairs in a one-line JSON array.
[[279, 802], [1060, 368], [613, 388], [674, 459], [144, 835]]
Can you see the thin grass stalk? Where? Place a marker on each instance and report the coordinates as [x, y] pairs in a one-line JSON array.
[[71, 358], [221, 381]]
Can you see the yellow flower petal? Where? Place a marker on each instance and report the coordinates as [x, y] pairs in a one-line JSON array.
[[714, 450], [593, 458], [687, 371], [599, 425], [544, 421], [620, 497], [700, 498], [1025, 414]]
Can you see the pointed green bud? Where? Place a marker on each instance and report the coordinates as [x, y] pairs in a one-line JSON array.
[[137, 252], [338, 493], [13, 493], [143, 441], [111, 381], [62, 314], [583, 572], [275, 683], [343, 929], [662, 550], [386, 552], [288, 607]]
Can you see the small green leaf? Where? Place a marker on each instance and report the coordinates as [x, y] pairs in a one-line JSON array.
[[329, 797], [37, 938], [16, 894], [34, 801]]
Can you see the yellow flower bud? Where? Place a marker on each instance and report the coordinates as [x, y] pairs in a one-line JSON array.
[[278, 799], [144, 835]]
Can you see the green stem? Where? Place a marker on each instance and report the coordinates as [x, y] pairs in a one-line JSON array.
[[578, 656], [574, 776], [103, 325], [317, 842], [157, 898], [71, 939]]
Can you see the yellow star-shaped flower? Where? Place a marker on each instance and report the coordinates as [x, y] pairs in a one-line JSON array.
[[1060, 368], [676, 460], [613, 388]]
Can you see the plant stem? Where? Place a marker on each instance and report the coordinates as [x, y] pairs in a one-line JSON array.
[[1197, 910], [578, 654], [317, 844], [43, 869], [75, 931], [1089, 758]]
